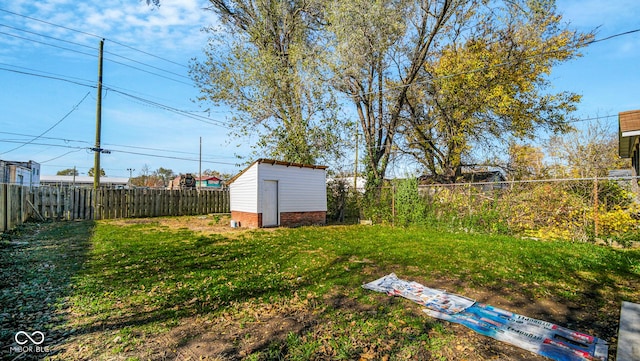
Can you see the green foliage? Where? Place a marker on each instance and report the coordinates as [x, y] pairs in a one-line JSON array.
[[68, 171], [342, 201], [91, 171], [410, 206], [547, 210], [264, 61]]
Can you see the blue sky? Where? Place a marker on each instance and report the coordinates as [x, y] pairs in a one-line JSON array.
[[151, 119]]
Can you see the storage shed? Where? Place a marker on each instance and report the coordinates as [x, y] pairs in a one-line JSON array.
[[271, 193]]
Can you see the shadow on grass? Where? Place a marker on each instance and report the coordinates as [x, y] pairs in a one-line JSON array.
[[38, 262], [140, 277]]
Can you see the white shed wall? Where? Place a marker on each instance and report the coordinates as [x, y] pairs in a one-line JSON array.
[[244, 190], [299, 189]]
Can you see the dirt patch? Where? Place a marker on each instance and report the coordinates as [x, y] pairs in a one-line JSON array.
[[205, 224]]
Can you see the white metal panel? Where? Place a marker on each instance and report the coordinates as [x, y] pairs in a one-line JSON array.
[[270, 214], [300, 189], [244, 191]]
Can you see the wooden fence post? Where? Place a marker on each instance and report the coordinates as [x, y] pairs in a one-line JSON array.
[[4, 209]]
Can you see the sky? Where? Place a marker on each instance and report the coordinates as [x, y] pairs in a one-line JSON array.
[[150, 119]]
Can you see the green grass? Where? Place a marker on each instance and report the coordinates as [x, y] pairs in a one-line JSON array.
[[141, 280]]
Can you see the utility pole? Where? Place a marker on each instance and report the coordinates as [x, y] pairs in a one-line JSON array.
[[355, 172], [130, 175], [97, 150]]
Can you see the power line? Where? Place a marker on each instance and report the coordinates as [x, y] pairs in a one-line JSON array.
[[593, 118], [60, 156], [105, 144], [48, 36], [613, 36], [176, 158], [52, 138], [93, 35], [148, 148], [184, 113], [481, 69], [48, 44], [174, 110], [149, 72], [35, 71], [111, 60], [47, 77], [150, 66], [53, 126]]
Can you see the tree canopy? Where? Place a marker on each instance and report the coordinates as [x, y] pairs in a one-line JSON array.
[[266, 64], [68, 171], [435, 80], [91, 171]]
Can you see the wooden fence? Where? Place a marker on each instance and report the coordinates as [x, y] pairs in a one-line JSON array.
[[13, 206], [17, 203]]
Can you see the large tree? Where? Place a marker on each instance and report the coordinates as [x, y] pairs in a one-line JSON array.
[[381, 48], [265, 63], [489, 82]]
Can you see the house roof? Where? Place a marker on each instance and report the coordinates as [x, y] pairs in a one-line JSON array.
[[629, 132], [208, 178], [275, 162]]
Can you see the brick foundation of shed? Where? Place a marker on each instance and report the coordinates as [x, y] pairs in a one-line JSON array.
[[296, 219], [287, 219], [246, 219]]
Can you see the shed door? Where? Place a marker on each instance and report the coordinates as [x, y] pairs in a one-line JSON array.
[[270, 203]]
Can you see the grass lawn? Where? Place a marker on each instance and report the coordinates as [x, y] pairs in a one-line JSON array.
[[186, 287]]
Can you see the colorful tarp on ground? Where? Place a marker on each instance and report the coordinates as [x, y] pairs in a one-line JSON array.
[[543, 338]]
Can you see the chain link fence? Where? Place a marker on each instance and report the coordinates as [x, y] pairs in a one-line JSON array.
[[584, 209]]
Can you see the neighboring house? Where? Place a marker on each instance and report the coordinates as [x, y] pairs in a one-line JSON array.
[[209, 182], [629, 137], [272, 193], [349, 182], [22, 173], [83, 181], [183, 181]]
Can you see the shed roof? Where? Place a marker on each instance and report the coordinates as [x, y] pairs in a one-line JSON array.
[[629, 123], [275, 162]]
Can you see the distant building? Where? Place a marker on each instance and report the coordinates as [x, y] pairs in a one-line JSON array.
[[209, 182], [83, 181], [467, 177], [349, 182], [484, 180], [22, 173], [183, 181]]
